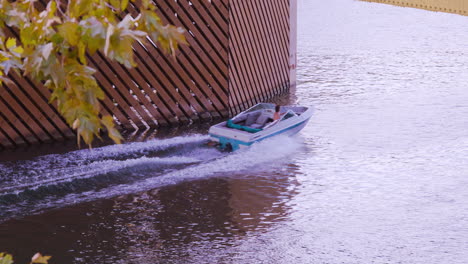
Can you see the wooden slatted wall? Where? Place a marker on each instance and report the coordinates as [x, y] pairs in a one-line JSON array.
[[259, 42], [238, 56]]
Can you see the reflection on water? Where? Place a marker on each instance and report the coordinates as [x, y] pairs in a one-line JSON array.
[[378, 176], [144, 201], [154, 226]]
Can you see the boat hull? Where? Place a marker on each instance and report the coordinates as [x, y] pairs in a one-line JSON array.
[[232, 139]]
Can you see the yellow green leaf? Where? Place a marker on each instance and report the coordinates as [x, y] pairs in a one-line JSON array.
[[6, 258], [51, 7], [39, 259], [80, 8], [82, 52], [11, 42], [123, 4], [107, 121], [69, 31], [18, 50], [113, 133]]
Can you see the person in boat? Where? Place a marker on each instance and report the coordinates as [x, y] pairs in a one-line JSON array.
[[277, 114]]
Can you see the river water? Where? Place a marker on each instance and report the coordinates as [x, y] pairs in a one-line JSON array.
[[380, 174]]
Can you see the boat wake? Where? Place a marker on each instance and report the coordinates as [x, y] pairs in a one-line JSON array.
[[53, 181]]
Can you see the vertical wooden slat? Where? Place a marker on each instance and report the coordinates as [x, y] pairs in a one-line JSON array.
[[259, 51], [280, 24], [199, 45], [247, 35], [276, 73], [280, 52], [263, 68], [239, 48], [292, 43], [281, 34], [238, 69]]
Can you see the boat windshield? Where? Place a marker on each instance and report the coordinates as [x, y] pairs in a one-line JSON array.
[[288, 114], [261, 106]]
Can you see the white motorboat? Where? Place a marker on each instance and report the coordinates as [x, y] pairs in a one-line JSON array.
[[257, 124]]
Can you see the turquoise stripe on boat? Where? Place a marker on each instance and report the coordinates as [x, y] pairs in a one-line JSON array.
[[235, 143]]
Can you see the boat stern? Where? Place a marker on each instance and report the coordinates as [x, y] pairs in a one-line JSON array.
[[229, 139]]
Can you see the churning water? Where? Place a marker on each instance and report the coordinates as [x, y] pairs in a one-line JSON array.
[[380, 174], [55, 180]]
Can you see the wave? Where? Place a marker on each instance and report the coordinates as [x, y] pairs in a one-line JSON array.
[[104, 173], [99, 168], [77, 163]]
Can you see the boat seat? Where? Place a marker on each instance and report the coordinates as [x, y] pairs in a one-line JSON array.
[[261, 121], [252, 118]]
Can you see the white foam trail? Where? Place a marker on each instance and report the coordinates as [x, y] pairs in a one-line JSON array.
[[135, 147], [99, 168], [260, 156], [49, 168], [83, 156]]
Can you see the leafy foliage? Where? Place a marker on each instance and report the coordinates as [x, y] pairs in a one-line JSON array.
[[38, 258], [53, 41], [6, 258]]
